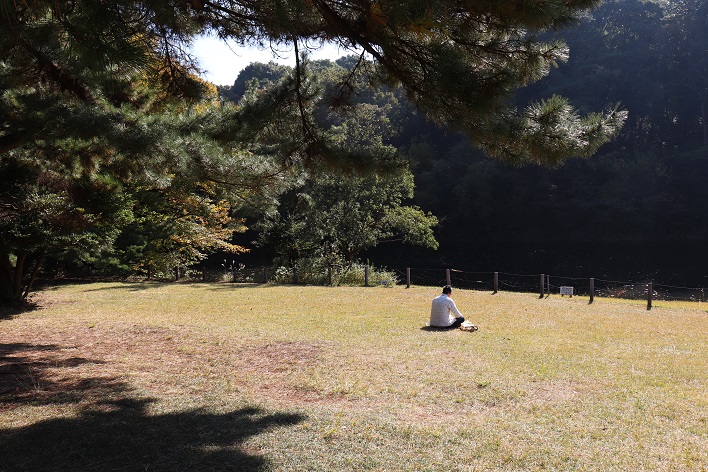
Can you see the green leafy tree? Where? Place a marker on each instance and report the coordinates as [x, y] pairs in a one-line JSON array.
[[334, 218], [171, 231], [45, 213], [264, 75]]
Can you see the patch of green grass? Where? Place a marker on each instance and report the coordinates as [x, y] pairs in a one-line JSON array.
[[345, 378]]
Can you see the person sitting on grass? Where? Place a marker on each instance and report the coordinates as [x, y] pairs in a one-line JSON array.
[[443, 309]]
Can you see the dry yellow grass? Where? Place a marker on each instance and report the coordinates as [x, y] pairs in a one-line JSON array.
[[321, 378]]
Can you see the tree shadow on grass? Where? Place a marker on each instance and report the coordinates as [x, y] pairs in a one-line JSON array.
[[132, 286], [122, 436], [137, 286], [115, 430], [25, 377], [10, 310]]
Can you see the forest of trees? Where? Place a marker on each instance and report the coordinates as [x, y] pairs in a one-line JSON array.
[[447, 133], [646, 189]]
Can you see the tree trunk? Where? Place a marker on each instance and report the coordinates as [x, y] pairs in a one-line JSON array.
[[6, 273], [11, 278], [19, 274], [35, 270]]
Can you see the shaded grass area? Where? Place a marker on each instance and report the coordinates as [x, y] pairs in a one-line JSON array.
[[123, 436], [246, 377], [55, 417]]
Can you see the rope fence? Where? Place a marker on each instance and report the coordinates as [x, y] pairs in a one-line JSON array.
[[546, 285], [543, 284]]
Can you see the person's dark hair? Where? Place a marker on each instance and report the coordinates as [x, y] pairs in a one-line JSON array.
[[447, 290]]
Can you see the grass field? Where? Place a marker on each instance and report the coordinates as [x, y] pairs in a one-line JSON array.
[[178, 377]]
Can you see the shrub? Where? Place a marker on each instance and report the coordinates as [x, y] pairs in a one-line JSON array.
[[315, 272]]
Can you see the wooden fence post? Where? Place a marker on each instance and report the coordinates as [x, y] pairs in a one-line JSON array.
[[496, 282], [650, 294], [329, 276], [366, 275], [542, 285], [295, 279], [408, 277], [592, 289], [447, 277], [176, 273]]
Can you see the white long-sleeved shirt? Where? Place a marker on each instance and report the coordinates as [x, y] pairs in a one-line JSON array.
[[443, 311]]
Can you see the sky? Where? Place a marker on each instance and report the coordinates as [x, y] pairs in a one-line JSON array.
[[223, 62]]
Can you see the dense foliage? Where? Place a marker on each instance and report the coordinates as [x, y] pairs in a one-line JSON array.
[[113, 153], [113, 150], [648, 185], [646, 189], [328, 218]]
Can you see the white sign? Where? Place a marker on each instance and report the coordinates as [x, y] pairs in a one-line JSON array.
[[565, 290]]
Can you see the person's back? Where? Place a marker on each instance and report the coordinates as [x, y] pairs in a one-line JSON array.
[[442, 310]]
